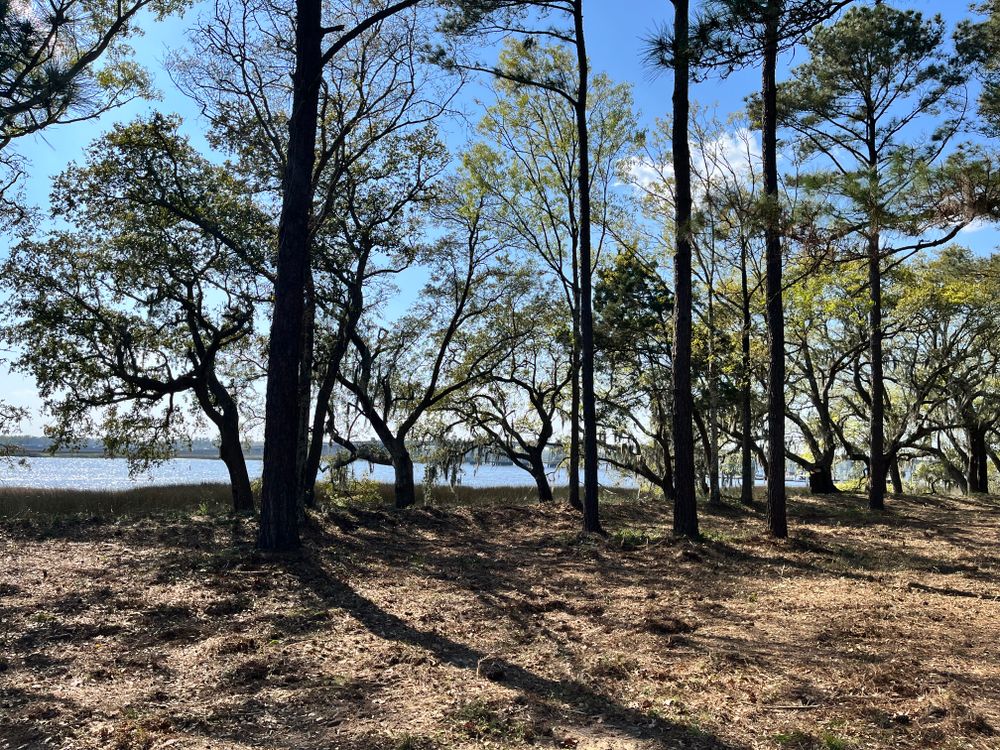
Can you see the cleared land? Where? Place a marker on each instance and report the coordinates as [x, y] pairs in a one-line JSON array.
[[497, 625]]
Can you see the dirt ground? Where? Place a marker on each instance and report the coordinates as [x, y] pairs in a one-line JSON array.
[[501, 627]]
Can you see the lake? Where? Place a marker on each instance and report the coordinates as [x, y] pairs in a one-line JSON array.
[[112, 473]]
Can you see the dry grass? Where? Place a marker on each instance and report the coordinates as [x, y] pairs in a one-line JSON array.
[[27, 502], [500, 626], [375, 493]]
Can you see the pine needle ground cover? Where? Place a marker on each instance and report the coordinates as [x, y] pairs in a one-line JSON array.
[[498, 625]]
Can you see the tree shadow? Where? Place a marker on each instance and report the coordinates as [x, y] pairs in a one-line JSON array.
[[543, 692]]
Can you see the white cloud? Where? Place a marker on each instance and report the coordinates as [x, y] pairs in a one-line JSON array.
[[978, 225], [733, 157]]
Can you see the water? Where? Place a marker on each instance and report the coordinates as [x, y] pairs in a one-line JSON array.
[[112, 474]]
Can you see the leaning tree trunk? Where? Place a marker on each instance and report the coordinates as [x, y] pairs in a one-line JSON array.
[[588, 397], [876, 450], [317, 437], [541, 478], [220, 407], [279, 528], [777, 520], [318, 434], [685, 506], [231, 453]]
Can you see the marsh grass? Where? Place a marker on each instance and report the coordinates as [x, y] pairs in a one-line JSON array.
[[205, 499], [17, 502], [367, 492]]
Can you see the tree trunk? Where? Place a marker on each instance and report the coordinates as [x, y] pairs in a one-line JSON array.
[[777, 520], [685, 506], [404, 486], [317, 437], [591, 512], [876, 449], [978, 466], [574, 426], [746, 395], [714, 491], [279, 528], [984, 465], [306, 487], [231, 453], [821, 481], [318, 434], [896, 476], [541, 479]]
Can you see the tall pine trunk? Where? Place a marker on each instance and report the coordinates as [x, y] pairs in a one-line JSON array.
[[876, 451], [685, 507], [746, 395], [777, 520], [714, 491], [574, 426], [279, 528], [591, 512]]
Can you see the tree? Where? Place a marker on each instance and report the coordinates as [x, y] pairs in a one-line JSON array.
[[724, 164], [486, 18], [138, 307], [634, 306], [61, 62], [858, 102], [942, 365], [515, 409], [402, 370], [731, 34], [824, 343], [729, 252], [283, 413], [725, 220], [528, 161], [677, 52], [685, 506], [978, 45], [377, 157], [357, 251]]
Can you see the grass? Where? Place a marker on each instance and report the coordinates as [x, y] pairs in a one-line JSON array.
[[17, 502], [370, 493], [209, 499], [631, 539]]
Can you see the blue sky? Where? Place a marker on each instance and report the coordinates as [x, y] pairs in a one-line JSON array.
[[615, 30]]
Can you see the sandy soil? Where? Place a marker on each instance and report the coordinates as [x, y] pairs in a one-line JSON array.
[[502, 627]]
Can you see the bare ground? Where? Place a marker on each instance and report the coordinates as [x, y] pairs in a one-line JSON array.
[[502, 627]]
